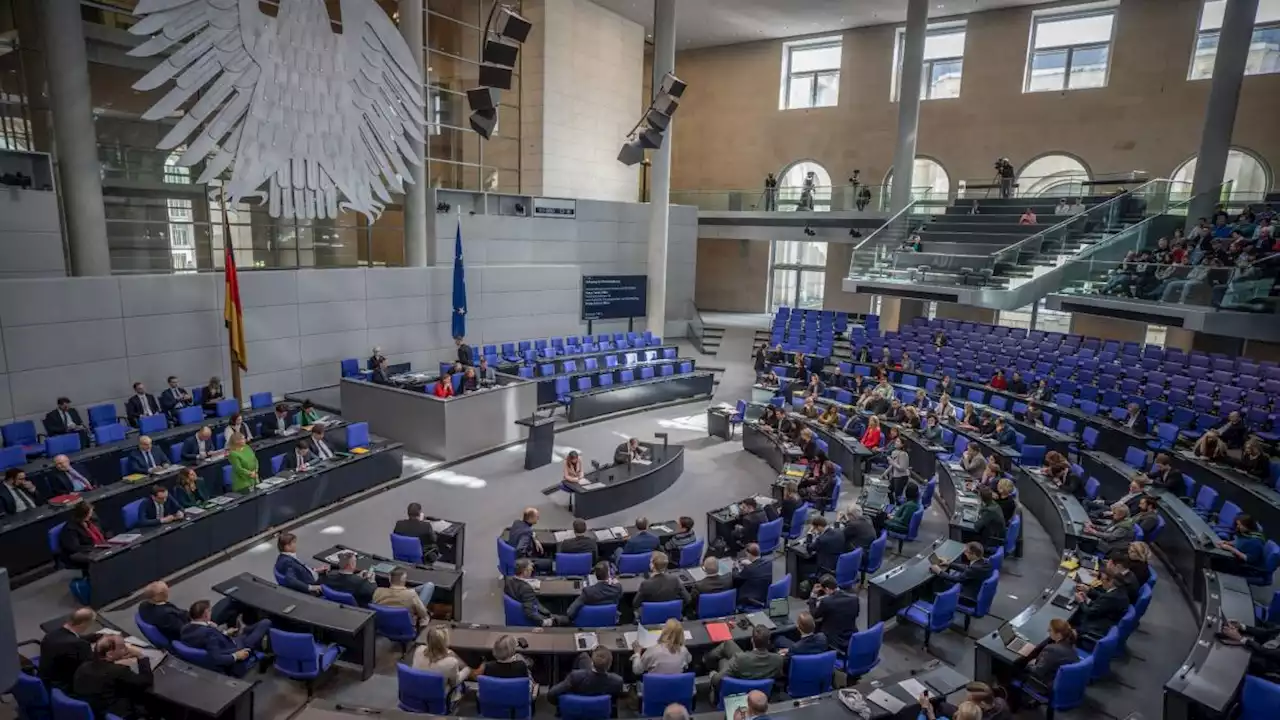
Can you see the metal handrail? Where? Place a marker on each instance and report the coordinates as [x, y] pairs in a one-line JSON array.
[[892, 219], [1042, 235]]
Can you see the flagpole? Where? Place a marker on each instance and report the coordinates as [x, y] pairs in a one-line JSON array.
[[231, 350]]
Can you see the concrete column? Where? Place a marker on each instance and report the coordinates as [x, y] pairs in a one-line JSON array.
[[904, 156], [80, 184], [1224, 96], [664, 61], [412, 20]]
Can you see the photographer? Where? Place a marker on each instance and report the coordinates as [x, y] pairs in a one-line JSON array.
[[770, 193], [806, 192], [1004, 171]]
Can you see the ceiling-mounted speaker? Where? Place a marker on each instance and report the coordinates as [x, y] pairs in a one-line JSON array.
[[657, 120], [511, 25], [666, 104], [672, 85], [500, 53], [650, 138], [495, 76], [631, 154], [482, 98], [484, 121]]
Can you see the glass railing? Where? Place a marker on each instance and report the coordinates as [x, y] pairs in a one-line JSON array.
[[1240, 286], [823, 198], [1056, 185], [877, 253]]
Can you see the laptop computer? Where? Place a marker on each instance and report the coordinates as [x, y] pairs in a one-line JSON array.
[[1015, 642], [1064, 602], [779, 608]]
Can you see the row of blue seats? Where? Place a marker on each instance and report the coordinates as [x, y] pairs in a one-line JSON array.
[[584, 382]]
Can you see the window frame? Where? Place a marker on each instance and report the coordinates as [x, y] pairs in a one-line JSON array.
[[926, 67], [810, 76], [1195, 43], [1073, 12]]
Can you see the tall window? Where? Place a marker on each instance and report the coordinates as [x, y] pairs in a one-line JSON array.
[[810, 74], [1264, 48], [943, 62], [1249, 177], [791, 187], [182, 246], [1052, 175], [1070, 48], [798, 277], [929, 182]]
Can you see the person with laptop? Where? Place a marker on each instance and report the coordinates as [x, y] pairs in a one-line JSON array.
[[835, 610], [968, 571], [1059, 651], [1100, 608]]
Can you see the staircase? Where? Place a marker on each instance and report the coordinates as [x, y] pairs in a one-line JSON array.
[[709, 342]]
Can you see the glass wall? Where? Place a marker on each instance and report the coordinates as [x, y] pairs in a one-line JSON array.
[[798, 274]]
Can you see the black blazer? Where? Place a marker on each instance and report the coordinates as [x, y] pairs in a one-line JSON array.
[[53, 424], [584, 544], [602, 593], [421, 529], [1139, 421], [168, 618], [191, 448], [1104, 609], [811, 645], [859, 533], [174, 399], [291, 461], [74, 539], [352, 583], [828, 547], [970, 576], [464, 354], [748, 529], [587, 682], [1044, 667], [753, 580], [661, 588], [9, 504], [274, 425], [60, 482], [111, 688], [523, 593], [147, 513], [61, 653], [837, 616], [133, 407]]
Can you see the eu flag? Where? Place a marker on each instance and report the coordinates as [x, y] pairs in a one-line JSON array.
[[459, 287]]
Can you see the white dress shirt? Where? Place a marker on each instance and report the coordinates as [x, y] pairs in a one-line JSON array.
[[22, 500], [146, 404], [322, 449]]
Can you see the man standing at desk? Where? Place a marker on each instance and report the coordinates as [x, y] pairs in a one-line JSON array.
[[835, 610], [174, 398], [145, 460], [65, 479], [66, 419], [416, 525], [464, 351], [231, 649], [348, 580], [628, 451], [196, 448], [140, 404]]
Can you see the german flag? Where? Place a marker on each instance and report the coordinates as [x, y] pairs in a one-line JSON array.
[[233, 314]]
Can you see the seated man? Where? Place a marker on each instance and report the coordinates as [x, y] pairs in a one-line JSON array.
[[348, 579], [295, 574], [1004, 434], [157, 611], [174, 398], [17, 493], [758, 663], [1248, 545], [790, 502], [521, 537], [750, 517], [684, 536], [641, 542], [229, 650], [1147, 516], [277, 422], [140, 404], [64, 478], [415, 524], [66, 648], [628, 451], [990, 525], [660, 586], [590, 677], [196, 449], [753, 577], [712, 582], [825, 543], [146, 459], [66, 419], [161, 510], [518, 588], [1261, 641], [969, 571], [1118, 535], [858, 530], [582, 542], [399, 595], [300, 458], [605, 591], [319, 446], [835, 610], [1100, 608], [811, 641], [111, 687]]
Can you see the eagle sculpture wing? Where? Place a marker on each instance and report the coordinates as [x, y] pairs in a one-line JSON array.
[[310, 120]]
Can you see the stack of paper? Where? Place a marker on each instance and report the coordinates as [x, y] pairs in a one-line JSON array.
[[660, 528], [124, 538], [562, 535], [441, 525], [605, 534], [913, 687]]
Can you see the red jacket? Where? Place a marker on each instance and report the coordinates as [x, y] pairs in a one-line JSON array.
[[871, 438], [999, 383], [443, 390]]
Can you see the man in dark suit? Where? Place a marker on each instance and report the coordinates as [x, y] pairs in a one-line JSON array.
[[319, 446], [294, 573], [348, 580], [17, 494], [157, 611], [521, 537], [196, 448], [65, 479], [825, 543], [140, 404], [712, 582], [110, 688], [1135, 418], [790, 502], [375, 358], [859, 532], [174, 398], [591, 678], [464, 351], [750, 518], [753, 578], [518, 588], [835, 611], [969, 570], [66, 419], [380, 375], [641, 542], [811, 641], [660, 586], [605, 591], [162, 509], [415, 524], [581, 542], [627, 451], [300, 458], [1100, 608], [277, 422], [64, 650], [146, 459], [229, 651]]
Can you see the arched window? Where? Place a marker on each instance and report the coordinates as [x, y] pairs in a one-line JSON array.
[[1249, 176], [1052, 175], [791, 186], [929, 182]]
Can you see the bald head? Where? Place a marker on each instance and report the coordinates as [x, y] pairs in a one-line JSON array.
[[757, 703], [80, 620], [62, 462], [675, 711], [711, 566], [156, 592]]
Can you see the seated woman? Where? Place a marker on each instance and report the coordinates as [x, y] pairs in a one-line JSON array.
[[808, 446], [972, 462], [212, 394], [830, 416], [1140, 561], [818, 481], [1254, 461], [872, 437], [435, 656], [507, 662], [444, 386], [970, 420], [573, 472], [1059, 651], [1005, 498], [1248, 546], [911, 417], [945, 410], [810, 408], [770, 379], [920, 401], [470, 383], [900, 521], [188, 491], [668, 657], [1210, 447], [815, 386]]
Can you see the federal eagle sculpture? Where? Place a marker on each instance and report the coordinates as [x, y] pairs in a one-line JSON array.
[[311, 121]]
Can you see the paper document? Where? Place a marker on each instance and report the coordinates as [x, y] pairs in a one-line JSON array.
[[193, 511], [762, 500], [124, 538], [641, 636], [441, 525], [913, 687], [660, 528], [586, 641], [642, 461], [562, 535], [619, 532], [606, 534], [592, 486], [332, 559], [696, 573], [883, 699]]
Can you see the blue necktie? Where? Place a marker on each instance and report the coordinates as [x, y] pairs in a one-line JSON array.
[[150, 463]]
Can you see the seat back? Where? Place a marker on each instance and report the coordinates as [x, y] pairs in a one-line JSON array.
[[663, 690], [421, 691], [195, 656], [357, 435], [718, 604], [585, 707], [506, 558], [296, 653], [65, 707], [1258, 698], [130, 512], [1206, 499], [62, 444], [864, 650], [1135, 457], [32, 697], [1070, 683], [591, 616], [350, 367], [100, 415], [504, 697], [22, 432], [848, 565], [730, 686], [944, 609], [1090, 437], [405, 548], [152, 424], [691, 554], [810, 674], [573, 563], [875, 556], [108, 433], [338, 596], [277, 461], [394, 622], [226, 408], [770, 536], [260, 400], [987, 594], [656, 613], [1091, 487], [151, 632], [780, 588], [634, 563], [513, 612], [1012, 534]]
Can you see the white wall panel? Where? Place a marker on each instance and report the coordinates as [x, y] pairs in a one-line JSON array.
[[269, 323], [403, 339], [268, 287], [168, 294], [395, 282], [317, 318], [335, 347], [276, 383], [6, 406], [193, 367], [162, 333], [34, 391], [58, 300], [29, 347], [318, 286], [273, 355], [393, 312]]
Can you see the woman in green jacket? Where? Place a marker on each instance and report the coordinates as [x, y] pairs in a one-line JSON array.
[[244, 464], [900, 521], [309, 415]]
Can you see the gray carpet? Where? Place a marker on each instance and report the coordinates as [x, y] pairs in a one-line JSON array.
[[489, 492]]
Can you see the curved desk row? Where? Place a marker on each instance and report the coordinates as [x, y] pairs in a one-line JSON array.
[[600, 356], [1260, 500], [844, 450], [768, 445], [1206, 684], [24, 537], [635, 362], [599, 401], [606, 539], [448, 582], [993, 661], [618, 487]]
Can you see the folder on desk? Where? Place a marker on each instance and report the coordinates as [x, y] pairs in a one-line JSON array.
[[443, 525], [719, 632], [134, 477], [359, 450], [604, 534], [562, 535]]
